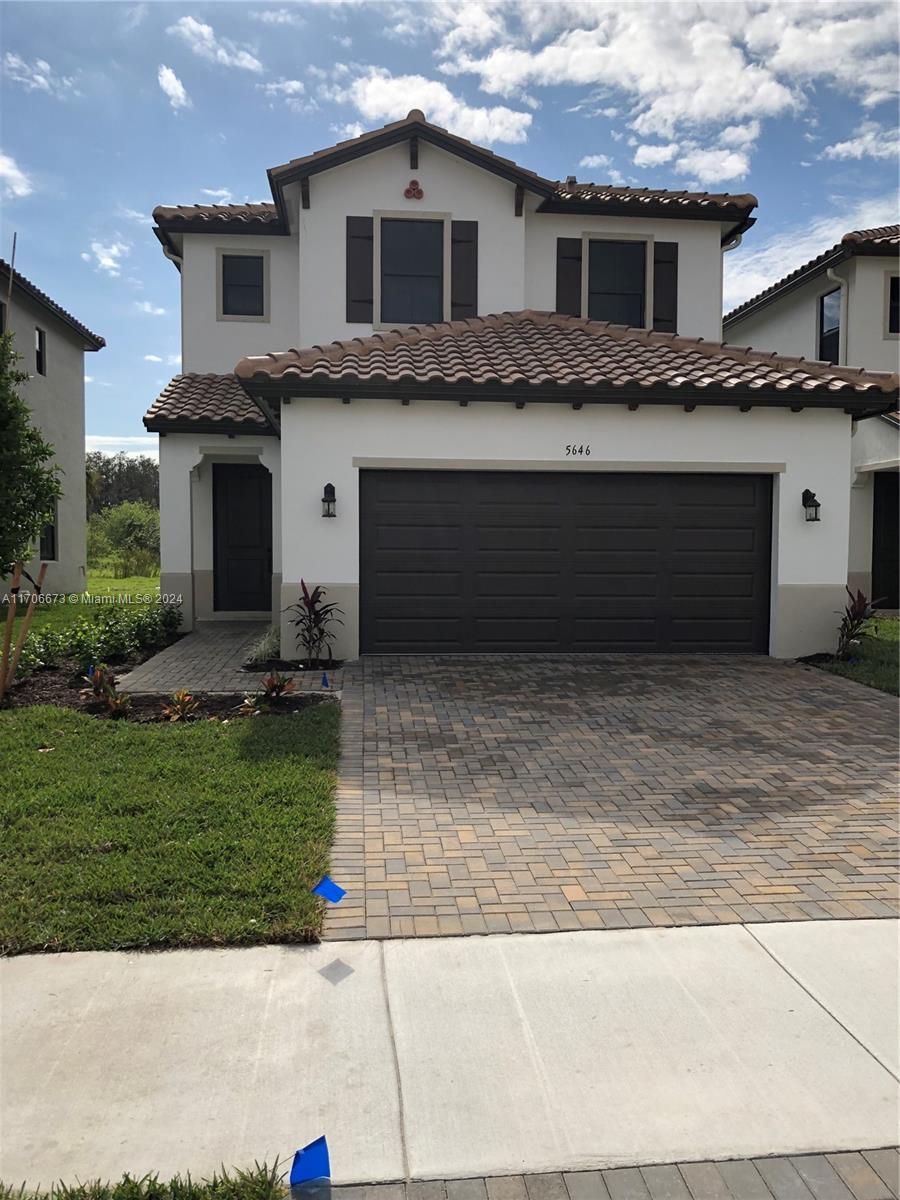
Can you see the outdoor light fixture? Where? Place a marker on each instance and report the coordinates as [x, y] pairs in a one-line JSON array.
[[810, 504], [329, 501]]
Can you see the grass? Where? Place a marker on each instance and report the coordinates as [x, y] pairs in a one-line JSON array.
[[120, 835], [60, 613], [260, 1183], [876, 661]]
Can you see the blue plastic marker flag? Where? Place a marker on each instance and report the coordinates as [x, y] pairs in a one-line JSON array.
[[329, 890], [325, 683], [311, 1163]]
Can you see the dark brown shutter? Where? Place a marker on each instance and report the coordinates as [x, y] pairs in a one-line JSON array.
[[665, 287], [568, 276], [463, 269], [360, 243]]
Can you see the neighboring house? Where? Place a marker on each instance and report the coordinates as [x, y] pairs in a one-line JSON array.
[[844, 307], [51, 345], [588, 470]]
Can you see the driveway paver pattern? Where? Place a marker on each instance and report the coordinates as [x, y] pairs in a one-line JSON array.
[[521, 794], [865, 1175]]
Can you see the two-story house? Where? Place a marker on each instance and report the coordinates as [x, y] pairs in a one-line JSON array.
[[51, 346], [587, 469], [844, 307]]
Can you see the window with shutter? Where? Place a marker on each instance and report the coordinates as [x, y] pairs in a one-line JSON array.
[[617, 282], [360, 289], [568, 276], [665, 287], [893, 304], [463, 270]]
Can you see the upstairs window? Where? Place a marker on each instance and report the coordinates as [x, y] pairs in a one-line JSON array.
[[412, 271], [242, 286], [830, 326], [893, 304], [48, 547], [617, 282], [2, 316], [40, 351]]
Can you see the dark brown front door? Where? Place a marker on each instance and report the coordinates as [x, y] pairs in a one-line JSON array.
[[885, 540], [242, 537], [525, 562]]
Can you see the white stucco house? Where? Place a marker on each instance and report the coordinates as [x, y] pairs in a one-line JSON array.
[[844, 307], [491, 412], [51, 345]]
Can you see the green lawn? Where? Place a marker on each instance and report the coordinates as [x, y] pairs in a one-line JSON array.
[[61, 612], [876, 659], [118, 835], [260, 1183]]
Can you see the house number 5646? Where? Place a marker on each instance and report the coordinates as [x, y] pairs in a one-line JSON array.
[[584, 450]]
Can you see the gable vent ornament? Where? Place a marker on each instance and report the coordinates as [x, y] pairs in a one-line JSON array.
[[413, 191]]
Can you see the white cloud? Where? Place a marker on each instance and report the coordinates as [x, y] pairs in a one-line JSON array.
[[173, 360], [107, 256], [290, 91], [173, 88], [603, 162], [760, 262], [218, 195], [154, 358], [132, 445], [37, 76], [869, 140], [14, 182], [712, 166], [132, 214], [653, 156], [740, 135], [352, 129], [134, 16], [144, 306], [202, 40], [380, 96], [88, 379], [278, 16]]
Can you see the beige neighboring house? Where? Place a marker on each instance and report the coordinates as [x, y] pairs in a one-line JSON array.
[[844, 307], [51, 344]]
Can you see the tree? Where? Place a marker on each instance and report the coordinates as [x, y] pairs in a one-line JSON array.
[[29, 484], [112, 478]]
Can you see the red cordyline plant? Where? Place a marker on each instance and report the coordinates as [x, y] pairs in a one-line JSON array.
[[856, 612], [314, 621]]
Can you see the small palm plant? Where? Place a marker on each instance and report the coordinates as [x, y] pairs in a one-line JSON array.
[[314, 621]]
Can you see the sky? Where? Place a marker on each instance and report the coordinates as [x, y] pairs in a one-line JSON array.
[[109, 109]]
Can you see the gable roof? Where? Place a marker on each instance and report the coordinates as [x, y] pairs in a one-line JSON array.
[[542, 356], [205, 404], [556, 196], [883, 240], [91, 341]]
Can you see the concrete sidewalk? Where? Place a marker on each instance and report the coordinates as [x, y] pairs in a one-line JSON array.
[[454, 1057]]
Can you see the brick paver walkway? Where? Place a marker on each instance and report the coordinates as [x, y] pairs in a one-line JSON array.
[[866, 1175], [210, 660], [519, 794]]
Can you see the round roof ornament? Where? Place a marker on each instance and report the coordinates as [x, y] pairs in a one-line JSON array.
[[415, 114]]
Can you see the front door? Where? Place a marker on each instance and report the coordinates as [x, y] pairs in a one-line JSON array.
[[242, 538]]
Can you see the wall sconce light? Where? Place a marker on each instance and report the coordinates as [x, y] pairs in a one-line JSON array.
[[329, 501], [810, 504]]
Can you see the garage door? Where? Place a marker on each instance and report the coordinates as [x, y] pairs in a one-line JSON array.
[[496, 561]]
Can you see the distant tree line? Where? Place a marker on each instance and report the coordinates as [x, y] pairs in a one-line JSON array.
[[112, 479]]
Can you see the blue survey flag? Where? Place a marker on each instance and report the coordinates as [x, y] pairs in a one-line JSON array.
[[329, 890], [311, 1163], [325, 683]]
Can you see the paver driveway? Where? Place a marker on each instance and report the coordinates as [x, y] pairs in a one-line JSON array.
[[545, 793]]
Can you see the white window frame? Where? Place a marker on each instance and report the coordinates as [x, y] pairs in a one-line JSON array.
[[377, 217], [232, 252], [888, 276], [595, 235]]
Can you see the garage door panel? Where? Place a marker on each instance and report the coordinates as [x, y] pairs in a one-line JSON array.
[[522, 562]]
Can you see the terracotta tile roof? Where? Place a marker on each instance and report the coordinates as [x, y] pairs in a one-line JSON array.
[[208, 218], [542, 353], [92, 341], [212, 403], [883, 240], [648, 201]]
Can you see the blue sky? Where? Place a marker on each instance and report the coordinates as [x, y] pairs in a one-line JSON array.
[[111, 108]]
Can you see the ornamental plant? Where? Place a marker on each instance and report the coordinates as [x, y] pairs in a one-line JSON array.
[[315, 621]]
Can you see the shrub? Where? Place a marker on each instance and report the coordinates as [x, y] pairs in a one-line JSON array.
[[314, 621], [857, 612], [127, 535], [264, 648], [109, 635]]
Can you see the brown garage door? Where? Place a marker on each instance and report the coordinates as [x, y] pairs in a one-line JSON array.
[[502, 561]]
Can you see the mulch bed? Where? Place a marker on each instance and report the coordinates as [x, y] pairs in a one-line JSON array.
[[61, 686]]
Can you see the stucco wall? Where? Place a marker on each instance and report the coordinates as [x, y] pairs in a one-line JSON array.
[[868, 343], [790, 325], [56, 401], [209, 344], [325, 441]]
